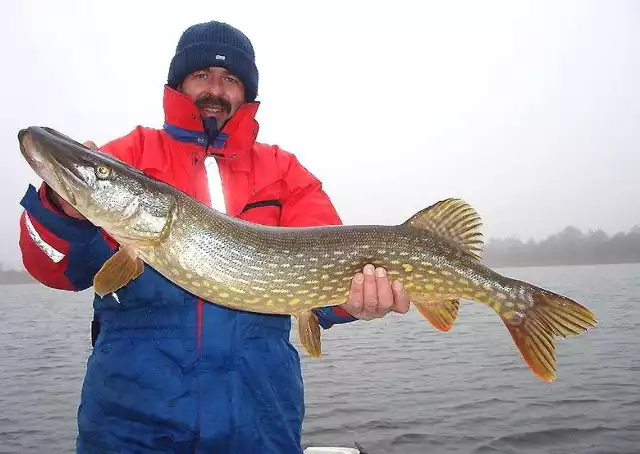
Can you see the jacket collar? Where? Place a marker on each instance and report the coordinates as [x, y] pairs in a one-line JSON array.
[[235, 140]]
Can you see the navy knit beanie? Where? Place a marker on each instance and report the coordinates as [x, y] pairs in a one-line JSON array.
[[215, 44]]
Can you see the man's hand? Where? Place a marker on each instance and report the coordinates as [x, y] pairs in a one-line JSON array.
[[62, 204], [372, 295]]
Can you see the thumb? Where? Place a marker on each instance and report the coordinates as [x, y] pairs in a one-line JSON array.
[[90, 144]]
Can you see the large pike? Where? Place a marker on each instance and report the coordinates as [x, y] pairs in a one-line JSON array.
[[278, 270]]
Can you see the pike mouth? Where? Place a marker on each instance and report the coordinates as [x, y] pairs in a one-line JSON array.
[[50, 169]]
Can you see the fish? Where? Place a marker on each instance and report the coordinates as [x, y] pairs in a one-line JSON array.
[[436, 253]]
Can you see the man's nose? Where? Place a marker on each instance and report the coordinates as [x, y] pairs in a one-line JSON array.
[[214, 88]]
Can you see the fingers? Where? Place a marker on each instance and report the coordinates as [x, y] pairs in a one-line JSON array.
[[400, 297], [370, 292], [385, 293], [356, 296], [372, 295]]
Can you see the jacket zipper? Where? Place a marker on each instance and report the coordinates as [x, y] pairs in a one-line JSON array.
[[199, 348]]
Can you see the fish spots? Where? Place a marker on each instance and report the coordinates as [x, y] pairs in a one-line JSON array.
[[463, 281], [195, 284], [324, 277], [437, 281], [327, 288], [223, 295], [407, 267], [429, 287], [432, 272], [294, 302], [395, 262], [501, 296]]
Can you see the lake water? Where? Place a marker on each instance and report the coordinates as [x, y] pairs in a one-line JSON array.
[[394, 385]]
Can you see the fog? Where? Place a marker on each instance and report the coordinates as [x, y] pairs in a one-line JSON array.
[[527, 110]]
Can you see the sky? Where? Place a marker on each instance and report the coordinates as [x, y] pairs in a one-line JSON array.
[[528, 110]]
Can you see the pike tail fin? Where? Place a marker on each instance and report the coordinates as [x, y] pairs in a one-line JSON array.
[[547, 316]]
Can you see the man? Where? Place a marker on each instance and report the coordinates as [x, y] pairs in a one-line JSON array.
[[168, 372]]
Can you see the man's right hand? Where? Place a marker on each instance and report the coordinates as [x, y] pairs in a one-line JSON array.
[[62, 204]]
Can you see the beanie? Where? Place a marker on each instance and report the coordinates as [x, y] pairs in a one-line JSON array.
[[215, 44]]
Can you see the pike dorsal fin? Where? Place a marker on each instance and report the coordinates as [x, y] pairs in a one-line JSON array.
[[454, 220]]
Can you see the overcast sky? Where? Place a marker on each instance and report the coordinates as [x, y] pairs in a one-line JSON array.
[[528, 110]]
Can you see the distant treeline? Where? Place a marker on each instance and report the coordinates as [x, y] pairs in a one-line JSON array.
[[14, 276], [568, 247]]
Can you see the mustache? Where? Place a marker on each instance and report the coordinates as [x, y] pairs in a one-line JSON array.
[[210, 101]]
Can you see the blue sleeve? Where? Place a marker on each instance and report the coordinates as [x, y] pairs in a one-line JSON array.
[[329, 316], [87, 248]]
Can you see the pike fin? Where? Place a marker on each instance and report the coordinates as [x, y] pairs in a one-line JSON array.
[[453, 220], [309, 333], [551, 316], [441, 314], [121, 268]]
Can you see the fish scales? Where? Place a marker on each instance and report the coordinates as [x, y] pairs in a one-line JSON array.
[[436, 253]]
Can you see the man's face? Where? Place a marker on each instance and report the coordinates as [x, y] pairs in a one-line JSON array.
[[216, 92]]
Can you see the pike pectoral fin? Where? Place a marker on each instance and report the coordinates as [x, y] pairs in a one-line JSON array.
[[123, 267], [309, 333], [441, 314]]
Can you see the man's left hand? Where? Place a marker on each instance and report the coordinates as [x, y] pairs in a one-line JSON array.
[[373, 295]]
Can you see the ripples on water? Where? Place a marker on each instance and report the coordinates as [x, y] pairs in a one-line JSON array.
[[394, 385]]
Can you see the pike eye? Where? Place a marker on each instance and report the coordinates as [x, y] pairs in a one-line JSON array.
[[103, 172]]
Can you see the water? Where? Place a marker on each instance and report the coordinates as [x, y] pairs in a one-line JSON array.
[[394, 385]]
